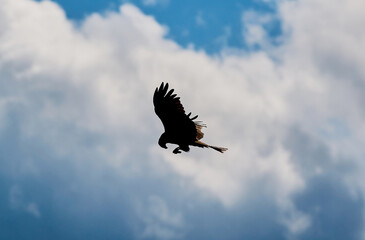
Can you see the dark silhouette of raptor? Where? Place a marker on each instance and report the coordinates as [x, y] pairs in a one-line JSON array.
[[180, 128]]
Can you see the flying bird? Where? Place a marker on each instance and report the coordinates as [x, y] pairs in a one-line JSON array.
[[179, 127]]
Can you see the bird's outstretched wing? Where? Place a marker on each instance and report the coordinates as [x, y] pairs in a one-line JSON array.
[[172, 114]]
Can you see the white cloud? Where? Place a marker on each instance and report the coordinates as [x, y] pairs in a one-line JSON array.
[[254, 32], [69, 82], [32, 208], [160, 221], [199, 20], [224, 37], [154, 2], [17, 202], [328, 46], [295, 221]]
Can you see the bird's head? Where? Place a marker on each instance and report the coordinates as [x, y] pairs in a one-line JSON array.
[[162, 141]]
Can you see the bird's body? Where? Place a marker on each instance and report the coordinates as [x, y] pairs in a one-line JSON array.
[[179, 127]]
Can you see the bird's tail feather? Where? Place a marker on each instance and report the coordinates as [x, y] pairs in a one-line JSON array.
[[202, 144], [219, 149]]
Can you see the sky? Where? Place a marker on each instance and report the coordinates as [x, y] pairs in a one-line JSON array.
[[280, 83]]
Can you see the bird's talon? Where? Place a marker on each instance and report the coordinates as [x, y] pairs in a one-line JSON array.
[[176, 151]]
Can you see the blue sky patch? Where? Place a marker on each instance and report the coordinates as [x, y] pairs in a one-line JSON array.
[[209, 26]]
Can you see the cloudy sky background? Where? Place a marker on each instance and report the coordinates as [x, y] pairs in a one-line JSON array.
[[280, 83]]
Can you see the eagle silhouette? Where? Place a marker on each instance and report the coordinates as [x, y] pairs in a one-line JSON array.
[[179, 127]]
